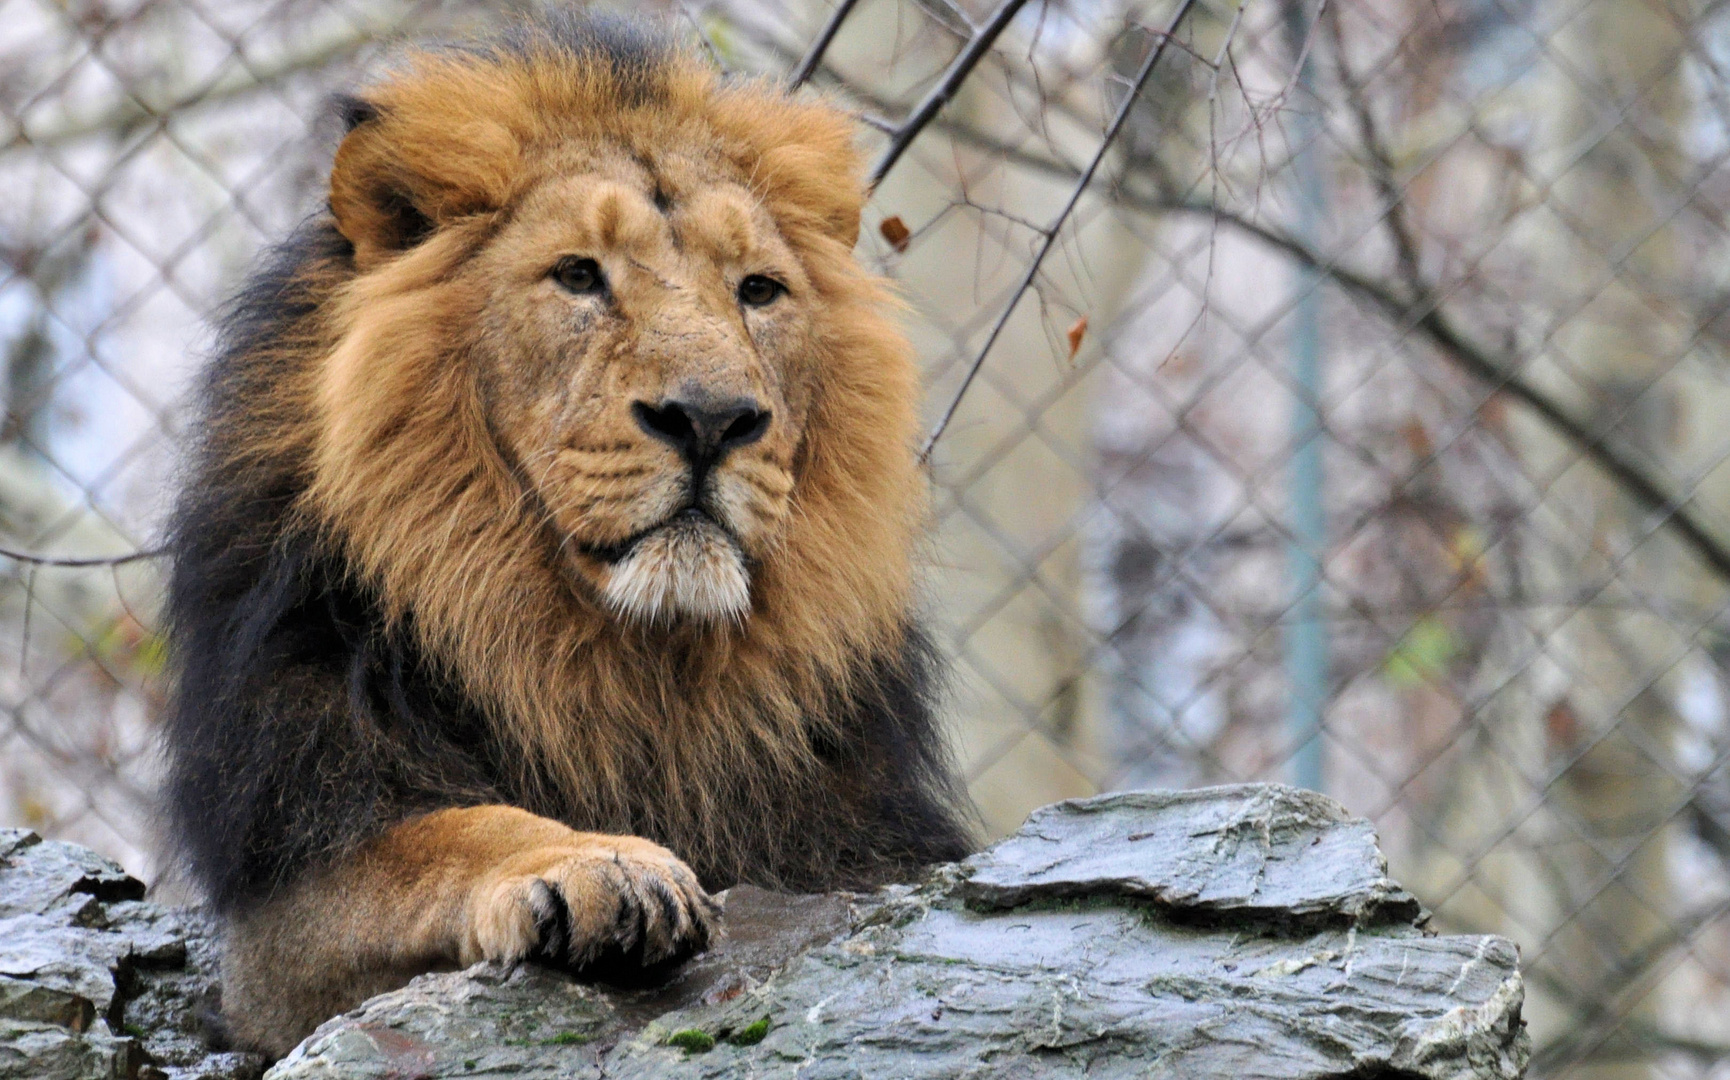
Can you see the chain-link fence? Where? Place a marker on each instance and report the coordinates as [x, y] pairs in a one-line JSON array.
[[1328, 392]]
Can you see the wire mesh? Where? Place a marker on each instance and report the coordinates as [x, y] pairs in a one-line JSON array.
[[1320, 391]]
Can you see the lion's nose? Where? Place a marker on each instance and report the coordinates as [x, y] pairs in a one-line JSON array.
[[702, 429]]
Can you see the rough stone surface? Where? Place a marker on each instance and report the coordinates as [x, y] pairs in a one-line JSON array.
[[1238, 933], [96, 983], [1250, 852]]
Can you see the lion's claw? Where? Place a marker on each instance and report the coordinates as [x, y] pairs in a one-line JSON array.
[[621, 911]]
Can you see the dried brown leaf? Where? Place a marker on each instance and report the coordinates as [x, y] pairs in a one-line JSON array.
[[895, 231], [1076, 333]]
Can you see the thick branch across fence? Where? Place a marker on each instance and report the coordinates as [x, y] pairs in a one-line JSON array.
[[820, 44], [947, 87]]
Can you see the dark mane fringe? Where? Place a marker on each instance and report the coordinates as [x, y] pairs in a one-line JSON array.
[[304, 722], [632, 50], [283, 671]]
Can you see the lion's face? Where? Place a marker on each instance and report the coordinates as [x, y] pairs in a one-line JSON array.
[[643, 352], [601, 358]]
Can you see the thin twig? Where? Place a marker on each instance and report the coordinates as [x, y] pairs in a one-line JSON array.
[[959, 69], [1303, 55], [57, 560], [1381, 163], [878, 122], [24, 635], [819, 46], [1081, 186]]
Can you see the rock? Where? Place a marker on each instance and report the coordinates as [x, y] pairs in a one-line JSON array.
[[1237, 932], [1253, 852], [95, 983], [1246, 931]]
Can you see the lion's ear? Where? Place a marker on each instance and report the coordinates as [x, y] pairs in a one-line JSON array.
[[821, 182], [400, 174], [379, 205]]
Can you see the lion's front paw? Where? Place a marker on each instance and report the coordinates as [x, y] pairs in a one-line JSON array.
[[616, 908]]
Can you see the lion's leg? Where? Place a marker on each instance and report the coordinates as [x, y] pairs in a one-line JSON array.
[[452, 888]]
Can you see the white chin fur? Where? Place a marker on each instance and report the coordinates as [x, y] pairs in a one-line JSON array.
[[687, 569]]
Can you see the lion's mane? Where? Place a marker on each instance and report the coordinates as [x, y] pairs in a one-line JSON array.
[[368, 615]]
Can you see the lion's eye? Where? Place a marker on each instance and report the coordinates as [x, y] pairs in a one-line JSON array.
[[579, 275], [757, 290]]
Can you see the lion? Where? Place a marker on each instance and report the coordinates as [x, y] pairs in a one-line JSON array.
[[545, 559]]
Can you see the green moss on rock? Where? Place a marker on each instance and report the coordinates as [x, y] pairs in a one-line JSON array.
[[692, 1041], [751, 1034]]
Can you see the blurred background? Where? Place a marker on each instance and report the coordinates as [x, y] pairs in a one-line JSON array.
[[1362, 424]]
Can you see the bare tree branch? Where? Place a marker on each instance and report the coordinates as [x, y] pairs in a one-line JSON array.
[[820, 44], [1050, 234], [59, 560], [961, 67]]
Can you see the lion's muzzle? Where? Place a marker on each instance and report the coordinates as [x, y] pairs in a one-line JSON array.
[[690, 566]]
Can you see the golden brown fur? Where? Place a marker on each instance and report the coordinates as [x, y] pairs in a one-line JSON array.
[[487, 584], [450, 888]]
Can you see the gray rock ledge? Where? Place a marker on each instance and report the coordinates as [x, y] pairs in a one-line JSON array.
[[96, 983], [1237, 932]]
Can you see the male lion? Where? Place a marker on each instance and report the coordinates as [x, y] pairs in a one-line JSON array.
[[544, 560]]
